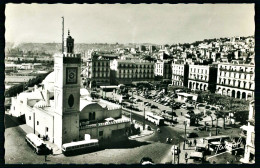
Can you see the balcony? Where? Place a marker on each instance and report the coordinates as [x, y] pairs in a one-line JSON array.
[[103, 124], [234, 70]]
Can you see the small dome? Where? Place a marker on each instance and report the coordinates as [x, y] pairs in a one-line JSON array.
[[48, 82]]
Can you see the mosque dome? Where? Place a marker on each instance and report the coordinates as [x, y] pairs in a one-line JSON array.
[[48, 82]]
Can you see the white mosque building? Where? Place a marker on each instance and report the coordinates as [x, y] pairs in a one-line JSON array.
[[64, 111]]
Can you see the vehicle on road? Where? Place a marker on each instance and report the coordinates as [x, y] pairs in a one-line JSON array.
[[157, 120], [146, 160], [192, 135], [79, 146], [37, 144], [200, 105]]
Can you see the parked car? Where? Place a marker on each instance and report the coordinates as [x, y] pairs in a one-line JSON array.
[[190, 107], [184, 106], [192, 135], [200, 105], [154, 106], [207, 107], [213, 108]]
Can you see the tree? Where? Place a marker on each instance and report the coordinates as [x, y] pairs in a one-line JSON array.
[[195, 118], [221, 114], [209, 113]]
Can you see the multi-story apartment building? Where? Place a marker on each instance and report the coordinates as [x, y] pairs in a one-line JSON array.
[[180, 73], [97, 72], [249, 155], [202, 77], [128, 71], [236, 80], [162, 69]]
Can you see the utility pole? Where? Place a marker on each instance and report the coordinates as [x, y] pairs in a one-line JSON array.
[[173, 154], [172, 110], [217, 126], [185, 124], [144, 120], [34, 122], [179, 150]]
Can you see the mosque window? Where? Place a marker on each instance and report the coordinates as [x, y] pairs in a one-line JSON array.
[[71, 100], [37, 122]]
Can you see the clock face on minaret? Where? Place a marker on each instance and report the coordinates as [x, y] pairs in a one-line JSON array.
[[71, 75]]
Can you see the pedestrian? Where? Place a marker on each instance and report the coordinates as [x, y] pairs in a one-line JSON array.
[[190, 143], [45, 158], [236, 155], [195, 142], [186, 157]]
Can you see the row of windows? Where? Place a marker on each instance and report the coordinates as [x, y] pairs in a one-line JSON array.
[[237, 68], [101, 75], [101, 63], [177, 67], [237, 75], [235, 83], [136, 76], [134, 66], [197, 70]]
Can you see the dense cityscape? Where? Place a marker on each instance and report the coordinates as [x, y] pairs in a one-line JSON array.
[[135, 103]]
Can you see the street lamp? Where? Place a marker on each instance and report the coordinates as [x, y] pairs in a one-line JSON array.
[[185, 124]]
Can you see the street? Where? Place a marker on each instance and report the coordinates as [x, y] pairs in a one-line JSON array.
[[18, 152]]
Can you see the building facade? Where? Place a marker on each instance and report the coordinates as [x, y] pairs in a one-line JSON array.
[[97, 72], [128, 71], [163, 69], [249, 155], [180, 73], [236, 80], [202, 77]]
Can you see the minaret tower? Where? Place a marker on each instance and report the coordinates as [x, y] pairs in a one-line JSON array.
[[67, 94]]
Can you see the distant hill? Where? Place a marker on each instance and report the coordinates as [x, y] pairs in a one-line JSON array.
[[52, 48]]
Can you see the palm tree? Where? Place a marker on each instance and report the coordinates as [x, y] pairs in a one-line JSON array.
[[209, 113]]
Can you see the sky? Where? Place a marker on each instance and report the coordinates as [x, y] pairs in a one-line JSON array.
[[127, 23]]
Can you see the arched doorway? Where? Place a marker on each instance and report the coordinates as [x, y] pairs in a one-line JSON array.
[[190, 85], [238, 94], [205, 87], [243, 95], [228, 92], [233, 93]]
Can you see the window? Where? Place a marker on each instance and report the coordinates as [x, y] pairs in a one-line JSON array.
[[37, 122], [47, 129], [29, 117], [100, 133]]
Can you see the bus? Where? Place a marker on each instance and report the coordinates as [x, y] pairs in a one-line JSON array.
[[39, 147], [157, 120], [80, 146]]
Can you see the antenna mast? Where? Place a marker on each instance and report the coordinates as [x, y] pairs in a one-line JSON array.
[[62, 34]]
